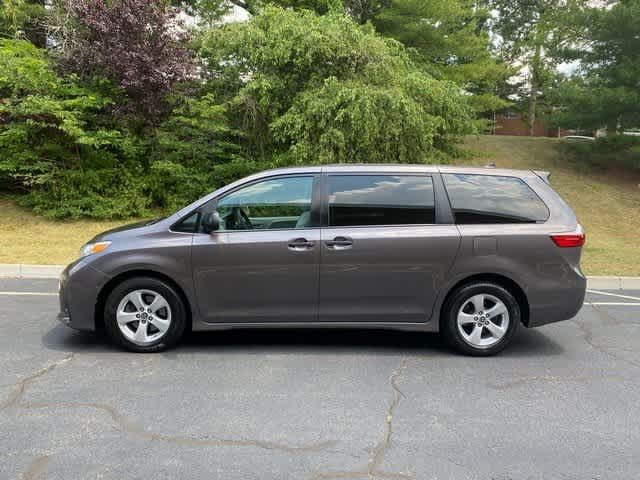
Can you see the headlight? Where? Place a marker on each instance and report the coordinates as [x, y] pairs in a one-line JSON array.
[[91, 248]]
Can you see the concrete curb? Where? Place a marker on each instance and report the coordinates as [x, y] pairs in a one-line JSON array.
[[614, 283], [30, 271], [54, 271]]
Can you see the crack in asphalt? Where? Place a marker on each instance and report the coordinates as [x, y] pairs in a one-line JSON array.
[[606, 316], [128, 426], [131, 428], [587, 335], [380, 449], [36, 467], [546, 378], [362, 474], [21, 386]]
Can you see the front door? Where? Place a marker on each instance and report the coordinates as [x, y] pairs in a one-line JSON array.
[[383, 255], [262, 264]]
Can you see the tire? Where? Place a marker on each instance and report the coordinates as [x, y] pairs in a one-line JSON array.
[[158, 327], [466, 326]]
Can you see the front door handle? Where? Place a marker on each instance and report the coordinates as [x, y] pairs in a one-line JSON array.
[[340, 243], [300, 244]]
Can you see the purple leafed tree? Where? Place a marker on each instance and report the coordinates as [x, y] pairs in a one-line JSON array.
[[140, 45]]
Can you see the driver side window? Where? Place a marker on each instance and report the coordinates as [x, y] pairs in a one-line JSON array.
[[274, 204]]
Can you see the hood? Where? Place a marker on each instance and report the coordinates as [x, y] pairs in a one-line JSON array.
[[123, 230]]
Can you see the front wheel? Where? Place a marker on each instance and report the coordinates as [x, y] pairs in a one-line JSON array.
[[144, 315], [480, 318]]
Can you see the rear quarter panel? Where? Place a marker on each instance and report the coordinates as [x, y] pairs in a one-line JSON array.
[[549, 276]]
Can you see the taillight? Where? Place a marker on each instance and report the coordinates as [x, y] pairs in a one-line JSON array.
[[567, 240]]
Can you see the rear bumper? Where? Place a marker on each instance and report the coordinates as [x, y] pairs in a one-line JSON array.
[[80, 285], [559, 302]]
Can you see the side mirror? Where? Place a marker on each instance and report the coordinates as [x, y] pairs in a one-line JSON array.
[[211, 222]]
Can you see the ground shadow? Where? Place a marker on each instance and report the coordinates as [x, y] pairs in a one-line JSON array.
[[65, 339], [330, 341], [530, 342]]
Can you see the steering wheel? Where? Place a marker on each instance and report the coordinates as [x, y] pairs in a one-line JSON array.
[[241, 220]]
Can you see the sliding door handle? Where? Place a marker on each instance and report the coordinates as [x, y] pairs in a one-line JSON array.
[[340, 243], [300, 244]]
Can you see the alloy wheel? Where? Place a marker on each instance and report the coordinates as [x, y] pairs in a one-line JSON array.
[[483, 320], [143, 316]]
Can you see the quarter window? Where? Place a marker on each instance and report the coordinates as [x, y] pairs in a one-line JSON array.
[[482, 199], [187, 225], [368, 200], [279, 203]]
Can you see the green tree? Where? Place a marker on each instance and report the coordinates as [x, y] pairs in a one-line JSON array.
[[606, 89], [322, 88], [449, 39], [361, 11], [532, 33], [446, 38]]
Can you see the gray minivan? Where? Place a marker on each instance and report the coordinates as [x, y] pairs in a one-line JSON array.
[[469, 252]]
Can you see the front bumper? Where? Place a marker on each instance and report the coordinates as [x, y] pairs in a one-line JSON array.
[[64, 316], [80, 285]]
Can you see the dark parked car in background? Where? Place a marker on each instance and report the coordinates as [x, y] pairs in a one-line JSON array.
[[470, 252]]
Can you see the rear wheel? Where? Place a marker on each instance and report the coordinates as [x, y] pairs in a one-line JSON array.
[[480, 318], [144, 315]]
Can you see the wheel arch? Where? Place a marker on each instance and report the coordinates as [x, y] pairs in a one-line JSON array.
[[511, 285], [121, 277]]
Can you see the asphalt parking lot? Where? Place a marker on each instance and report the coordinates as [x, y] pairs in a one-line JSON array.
[[562, 403]]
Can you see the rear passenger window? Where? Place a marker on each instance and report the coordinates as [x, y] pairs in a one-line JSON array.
[[362, 200], [478, 199]]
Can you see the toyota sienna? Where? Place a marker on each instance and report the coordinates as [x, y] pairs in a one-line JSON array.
[[469, 252]]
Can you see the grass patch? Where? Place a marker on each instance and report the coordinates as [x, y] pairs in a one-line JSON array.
[[607, 202], [29, 238]]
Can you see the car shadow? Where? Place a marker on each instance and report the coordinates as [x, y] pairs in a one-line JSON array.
[[530, 342], [308, 341]]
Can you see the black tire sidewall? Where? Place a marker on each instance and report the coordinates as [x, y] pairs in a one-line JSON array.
[[178, 313], [449, 325]]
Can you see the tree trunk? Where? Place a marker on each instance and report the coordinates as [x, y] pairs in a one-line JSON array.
[[612, 126], [533, 100], [535, 85]]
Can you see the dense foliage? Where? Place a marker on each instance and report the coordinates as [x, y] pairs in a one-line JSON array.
[[52, 137], [606, 90], [618, 150], [139, 45], [449, 39], [322, 89], [532, 33], [114, 108]]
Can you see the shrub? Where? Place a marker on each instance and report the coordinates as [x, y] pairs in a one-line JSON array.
[[105, 193], [50, 123], [620, 150]]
